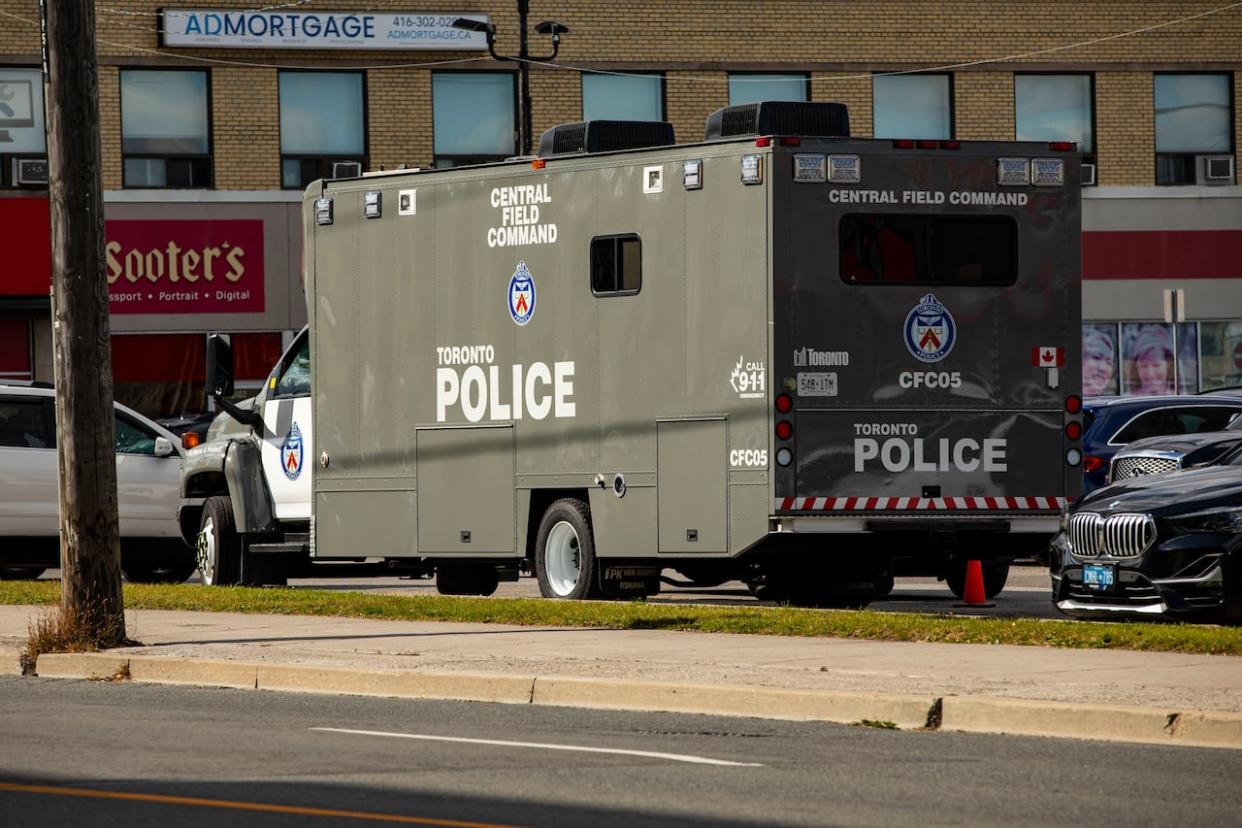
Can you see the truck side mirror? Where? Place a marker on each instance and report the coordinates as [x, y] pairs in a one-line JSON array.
[[219, 366]]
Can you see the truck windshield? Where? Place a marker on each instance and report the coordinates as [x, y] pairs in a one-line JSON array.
[[887, 249]]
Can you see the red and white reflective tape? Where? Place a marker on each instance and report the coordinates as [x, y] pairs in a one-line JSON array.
[[924, 504]]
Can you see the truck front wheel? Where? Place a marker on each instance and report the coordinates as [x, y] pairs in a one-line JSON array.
[[218, 550], [565, 562]]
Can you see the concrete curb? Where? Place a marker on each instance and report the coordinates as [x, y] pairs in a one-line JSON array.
[[974, 714], [10, 663]]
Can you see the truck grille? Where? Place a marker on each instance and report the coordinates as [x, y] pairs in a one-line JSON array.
[[1120, 536], [1141, 466]]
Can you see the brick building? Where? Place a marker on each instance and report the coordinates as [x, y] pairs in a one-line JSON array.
[[214, 119]]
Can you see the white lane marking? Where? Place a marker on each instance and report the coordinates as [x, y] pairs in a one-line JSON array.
[[648, 754]]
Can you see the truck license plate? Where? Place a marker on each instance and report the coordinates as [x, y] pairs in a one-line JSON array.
[[815, 384], [1098, 576]]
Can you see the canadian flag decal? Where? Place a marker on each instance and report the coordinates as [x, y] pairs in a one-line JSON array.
[[1048, 357]]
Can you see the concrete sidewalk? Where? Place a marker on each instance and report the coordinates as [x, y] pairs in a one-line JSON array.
[[1090, 693]]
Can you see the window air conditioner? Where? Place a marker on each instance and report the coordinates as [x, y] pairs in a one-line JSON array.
[[1088, 175], [346, 169], [30, 171], [1218, 168]]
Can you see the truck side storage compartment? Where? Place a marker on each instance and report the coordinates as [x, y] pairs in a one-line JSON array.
[[465, 492], [691, 479]]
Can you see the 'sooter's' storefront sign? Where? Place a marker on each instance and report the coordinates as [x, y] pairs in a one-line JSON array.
[[277, 28], [190, 266]]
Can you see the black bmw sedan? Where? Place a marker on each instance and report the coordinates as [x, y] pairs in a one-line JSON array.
[[1169, 545]]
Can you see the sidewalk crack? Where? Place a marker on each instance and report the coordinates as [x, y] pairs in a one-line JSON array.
[[935, 715]]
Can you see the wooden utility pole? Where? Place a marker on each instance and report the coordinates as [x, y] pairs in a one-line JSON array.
[[90, 551]]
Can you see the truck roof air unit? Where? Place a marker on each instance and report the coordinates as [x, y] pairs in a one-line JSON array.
[[830, 120], [604, 136]]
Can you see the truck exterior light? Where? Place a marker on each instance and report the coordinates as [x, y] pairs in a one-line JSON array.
[[1048, 172], [844, 169], [1013, 172]]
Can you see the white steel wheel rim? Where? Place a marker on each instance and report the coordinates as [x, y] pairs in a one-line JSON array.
[[206, 551], [563, 558]]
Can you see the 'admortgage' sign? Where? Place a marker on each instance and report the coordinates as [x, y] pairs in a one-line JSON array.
[[282, 29]]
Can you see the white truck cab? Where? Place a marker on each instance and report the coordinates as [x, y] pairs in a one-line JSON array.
[[247, 489]]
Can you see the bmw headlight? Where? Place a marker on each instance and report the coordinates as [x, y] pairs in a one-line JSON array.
[[1219, 519]]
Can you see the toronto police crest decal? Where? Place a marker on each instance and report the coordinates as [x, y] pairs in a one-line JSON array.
[[291, 453], [930, 331], [521, 295]]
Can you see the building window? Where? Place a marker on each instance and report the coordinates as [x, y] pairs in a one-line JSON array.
[[616, 265], [323, 126], [622, 97], [21, 128], [912, 106], [1056, 108], [1194, 117], [747, 88], [165, 132], [15, 349], [474, 117]]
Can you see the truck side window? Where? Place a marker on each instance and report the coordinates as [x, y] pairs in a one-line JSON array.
[[616, 265], [295, 381]]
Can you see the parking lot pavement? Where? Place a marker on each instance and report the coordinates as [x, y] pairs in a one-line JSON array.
[[1027, 594]]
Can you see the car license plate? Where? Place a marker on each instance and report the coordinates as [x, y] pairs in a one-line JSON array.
[[817, 384], [1099, 576]]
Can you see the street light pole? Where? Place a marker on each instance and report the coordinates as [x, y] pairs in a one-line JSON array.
[[523, 59]]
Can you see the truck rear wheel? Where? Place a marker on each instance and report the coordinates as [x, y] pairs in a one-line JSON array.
[[565, 562], [218, 550], [466, 578], [995, 574]]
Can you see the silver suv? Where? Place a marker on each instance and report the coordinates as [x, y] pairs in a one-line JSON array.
[[148, 467]]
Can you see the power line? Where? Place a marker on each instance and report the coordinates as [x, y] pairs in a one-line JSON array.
[[689, 76], [933, 69]]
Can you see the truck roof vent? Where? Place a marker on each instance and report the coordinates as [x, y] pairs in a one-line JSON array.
[[604, 136], [780, 118]]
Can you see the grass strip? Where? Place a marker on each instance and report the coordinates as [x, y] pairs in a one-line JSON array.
[[789, 621]]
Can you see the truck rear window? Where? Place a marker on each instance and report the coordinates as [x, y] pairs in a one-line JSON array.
[[883, 249]]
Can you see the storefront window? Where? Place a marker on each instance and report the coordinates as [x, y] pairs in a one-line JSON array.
[[322, 126], [912, 106], [1147, 358], [1099, 359], [15, 361], [474, 118], [622, 97], [21, 128], [165, 132], [160, 375], [750, 88], [1220, 355], [1194, 116], [1055, 108]]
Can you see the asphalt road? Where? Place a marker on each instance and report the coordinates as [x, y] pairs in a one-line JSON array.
[[97, 753]]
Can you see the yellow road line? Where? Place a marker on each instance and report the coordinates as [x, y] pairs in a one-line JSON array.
[[91, 793]]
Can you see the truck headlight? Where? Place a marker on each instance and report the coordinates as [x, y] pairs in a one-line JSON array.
[[1220, 519]]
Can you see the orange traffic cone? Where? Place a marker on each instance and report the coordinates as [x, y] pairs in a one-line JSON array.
[[974, 595]]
